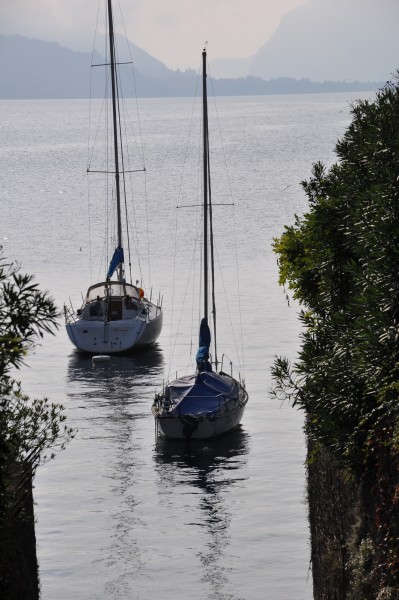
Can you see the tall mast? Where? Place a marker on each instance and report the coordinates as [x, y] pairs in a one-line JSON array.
[[205, 158], [115, 127]]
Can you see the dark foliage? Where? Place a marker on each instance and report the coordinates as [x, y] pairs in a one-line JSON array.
[[30, 429], [341, 260]]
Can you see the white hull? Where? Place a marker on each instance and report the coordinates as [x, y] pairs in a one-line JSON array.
[[99, 337]]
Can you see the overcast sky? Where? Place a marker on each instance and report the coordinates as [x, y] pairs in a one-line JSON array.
[[173, 31]]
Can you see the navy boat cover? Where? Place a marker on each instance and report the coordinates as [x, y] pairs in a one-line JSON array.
[[202, 393]]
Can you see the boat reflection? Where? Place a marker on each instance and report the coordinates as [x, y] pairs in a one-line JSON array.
[[118, 375], [147, 361], [203, 454], [109, 405], [217, 469]]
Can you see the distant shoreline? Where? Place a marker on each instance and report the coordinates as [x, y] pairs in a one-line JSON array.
[[226, 88], [32, 69]]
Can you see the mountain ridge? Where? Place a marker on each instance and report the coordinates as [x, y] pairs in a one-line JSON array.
[[34, 69], [326, 40]]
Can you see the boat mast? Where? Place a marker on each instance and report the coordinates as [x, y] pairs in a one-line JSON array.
[[205, 158], [115, 129]]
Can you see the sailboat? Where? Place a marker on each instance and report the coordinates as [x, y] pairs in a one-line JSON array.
[[116, 316], [209, 402]]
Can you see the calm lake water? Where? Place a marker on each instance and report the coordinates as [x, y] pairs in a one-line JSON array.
[[118, 515]]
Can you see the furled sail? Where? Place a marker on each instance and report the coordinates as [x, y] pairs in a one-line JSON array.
[[202, 357], [116, 260]]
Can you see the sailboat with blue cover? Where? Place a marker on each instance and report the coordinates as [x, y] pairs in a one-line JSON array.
[[116, 316], [209, 402]]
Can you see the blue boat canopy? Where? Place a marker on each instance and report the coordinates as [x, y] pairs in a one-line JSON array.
[[116, 260], [204, 393]]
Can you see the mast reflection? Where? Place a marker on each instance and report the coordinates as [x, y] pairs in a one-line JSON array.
[[109, 404], [214, 467]]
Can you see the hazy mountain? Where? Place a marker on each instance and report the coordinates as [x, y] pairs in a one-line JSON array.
[[334, 40], [32, 68]]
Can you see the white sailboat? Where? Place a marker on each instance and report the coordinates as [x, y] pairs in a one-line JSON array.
[[115, 316], [207, 403]]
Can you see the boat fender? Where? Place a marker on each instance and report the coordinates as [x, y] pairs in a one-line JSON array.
[[101, 358]]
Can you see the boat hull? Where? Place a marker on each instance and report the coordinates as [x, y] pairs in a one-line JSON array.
[[113, 337], [174, 427], [200, 406]]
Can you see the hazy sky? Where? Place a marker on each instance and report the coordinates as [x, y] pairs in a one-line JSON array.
[[173, 31]]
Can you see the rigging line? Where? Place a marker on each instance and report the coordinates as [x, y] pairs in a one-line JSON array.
[[134, 235], [142, 148], [126, 120], [102, 111], [238, 292], [115, 116], [188, 137], [221, 136], [91, 90], [213, 204], [122, 158], [242, 360], [198, 230], [212, 261], [198, 233], [199, 221], [135, 90], [122, 108], [89, 225], [102, 261], [201, 266], [108, 204], [88, 149], [192, 272], [172, 351], [117, 62], [126, 155], [113, 172], [229, 313], [139, 146], [132, 194], [147, 230], [173, 297], [205, 174], [208, 207]]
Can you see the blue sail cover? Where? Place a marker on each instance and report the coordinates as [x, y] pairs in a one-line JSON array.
[[204, 393], [204, 334], [116, 260], [204, 344]]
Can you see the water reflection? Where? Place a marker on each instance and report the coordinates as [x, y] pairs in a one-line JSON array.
[[110, 405], [121, 379], [147, 363], [216, 469]]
